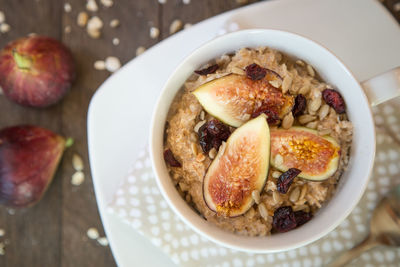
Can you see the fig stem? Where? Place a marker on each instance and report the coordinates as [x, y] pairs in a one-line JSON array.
[[69, 142], [23, 62]]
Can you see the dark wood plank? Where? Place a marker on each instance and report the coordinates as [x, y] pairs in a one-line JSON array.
[[79, 204], [34, 233]]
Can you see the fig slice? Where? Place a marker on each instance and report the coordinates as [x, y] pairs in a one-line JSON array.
[[234, 98], [29, 157], [240, 167], [302, 148]]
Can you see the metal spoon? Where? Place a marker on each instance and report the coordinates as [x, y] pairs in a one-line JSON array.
[[384, 229]]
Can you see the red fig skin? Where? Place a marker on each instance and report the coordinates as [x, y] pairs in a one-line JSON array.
[[36, 71], [29, 157]]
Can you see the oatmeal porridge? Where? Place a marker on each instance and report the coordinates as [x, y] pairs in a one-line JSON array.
[[280, 174]]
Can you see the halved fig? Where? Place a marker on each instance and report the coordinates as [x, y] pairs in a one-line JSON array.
[[302, 148], [234, 98], [240, 167]]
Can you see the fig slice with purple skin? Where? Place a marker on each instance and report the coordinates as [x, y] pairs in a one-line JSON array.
[[302, 148], [29, 157], [234, 98], [240, 167]]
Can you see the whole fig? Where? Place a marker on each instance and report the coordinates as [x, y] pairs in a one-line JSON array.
[[36, 71]]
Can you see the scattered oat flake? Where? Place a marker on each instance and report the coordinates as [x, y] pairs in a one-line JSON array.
[[77, 178], [154, 32], [95, 23], [114, 23], [91, 5], [67, 29], [140, 50], [82, 19], [4, 28], [175, 26], [100, 65], [396, 7], [11, 211], [92, 233], [2, 17], [112, 64], [187, 25], [115, 41], [77, 162], [186, 2], [2, 232], [67, 7], [94, 26], [310, 70], [107, 3], [103, 241]]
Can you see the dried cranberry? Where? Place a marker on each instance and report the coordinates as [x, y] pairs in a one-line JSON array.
[[284, 219], [211, 135], [272, 115], [209, 70], [170, 159], [286, 179], [255, 72], [218, 129], [334, 99], [299, 106], [204, 138], [302, 217]]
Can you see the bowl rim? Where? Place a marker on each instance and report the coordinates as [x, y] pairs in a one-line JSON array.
[[206, 230]]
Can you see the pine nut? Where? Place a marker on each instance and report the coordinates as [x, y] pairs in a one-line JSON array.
[[287, 121], [315, 104], [277, 198], [255, 194], [303, 192], [294, 195], [310, 71], [312, 125], [323, 112], [212, 153], [287, 83], [263, 211], [303, 119], [276, 174]]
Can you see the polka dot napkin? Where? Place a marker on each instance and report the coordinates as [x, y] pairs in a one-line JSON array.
[[139, 203]]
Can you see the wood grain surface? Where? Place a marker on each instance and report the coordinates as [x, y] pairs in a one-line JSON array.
[[53, 232]]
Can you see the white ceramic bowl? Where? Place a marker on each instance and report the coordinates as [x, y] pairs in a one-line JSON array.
[[352, 183]]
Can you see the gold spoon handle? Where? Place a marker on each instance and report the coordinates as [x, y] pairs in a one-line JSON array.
[[353, 253]]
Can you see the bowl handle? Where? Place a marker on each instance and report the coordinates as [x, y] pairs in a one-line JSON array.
[[383, 87]]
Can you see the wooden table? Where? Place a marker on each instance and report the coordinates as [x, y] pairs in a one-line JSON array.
[[53, 233]]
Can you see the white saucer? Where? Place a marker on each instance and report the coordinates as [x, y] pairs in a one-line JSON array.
[[361, 32]]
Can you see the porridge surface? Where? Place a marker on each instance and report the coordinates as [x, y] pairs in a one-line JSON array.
[[186, 114]]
